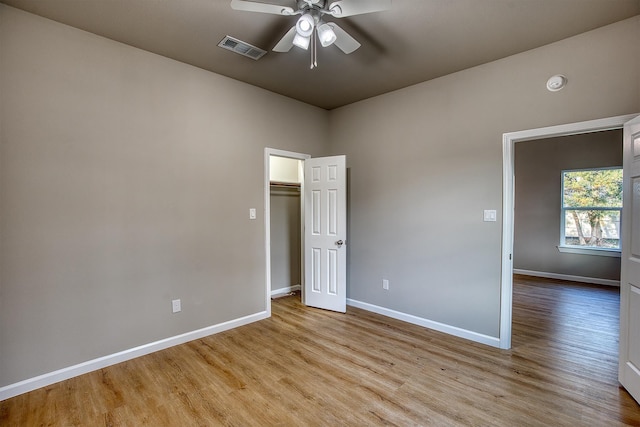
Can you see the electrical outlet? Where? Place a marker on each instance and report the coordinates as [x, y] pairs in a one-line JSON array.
[[176, 306], [385, 284]]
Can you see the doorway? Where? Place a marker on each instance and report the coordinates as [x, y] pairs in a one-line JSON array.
[[284, 221], [323, 229], [546, 236], [285, 225], [509, 141]]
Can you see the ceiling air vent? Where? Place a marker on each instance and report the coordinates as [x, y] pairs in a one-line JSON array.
[[241, 48]]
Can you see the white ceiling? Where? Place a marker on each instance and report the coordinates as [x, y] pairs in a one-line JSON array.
[[417, 40]]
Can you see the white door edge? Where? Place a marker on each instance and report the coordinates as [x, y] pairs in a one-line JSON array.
[[629, 345], [508, 141]]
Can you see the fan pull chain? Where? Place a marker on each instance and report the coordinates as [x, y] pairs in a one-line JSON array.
[[314, 52]]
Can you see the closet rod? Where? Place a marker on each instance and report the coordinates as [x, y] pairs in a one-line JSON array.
[[284, 184]]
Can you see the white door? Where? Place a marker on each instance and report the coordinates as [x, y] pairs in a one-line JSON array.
[[629, 369], [325, 218]]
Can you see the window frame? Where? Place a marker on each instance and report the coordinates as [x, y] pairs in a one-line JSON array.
[[586, 250]]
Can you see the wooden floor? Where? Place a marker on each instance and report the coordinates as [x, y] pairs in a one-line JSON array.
[[307, 367]]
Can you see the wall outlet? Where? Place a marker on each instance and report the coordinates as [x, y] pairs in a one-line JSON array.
[[385, 284], [176, 306]]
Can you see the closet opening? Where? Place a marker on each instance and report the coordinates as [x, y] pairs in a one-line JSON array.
[[285, 224]]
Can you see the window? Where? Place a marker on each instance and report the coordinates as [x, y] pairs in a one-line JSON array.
[[591, 209]]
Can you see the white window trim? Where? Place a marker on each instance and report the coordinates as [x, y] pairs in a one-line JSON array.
[[583, 250]]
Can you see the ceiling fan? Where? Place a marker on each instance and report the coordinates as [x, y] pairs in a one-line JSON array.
[[311, 22]]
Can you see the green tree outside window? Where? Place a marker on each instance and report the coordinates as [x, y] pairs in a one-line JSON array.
[[592, 205]]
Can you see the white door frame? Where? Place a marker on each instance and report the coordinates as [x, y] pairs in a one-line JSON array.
[[508, 142], [268, 152]]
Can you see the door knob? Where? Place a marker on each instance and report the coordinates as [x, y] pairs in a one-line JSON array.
[[340, 243]]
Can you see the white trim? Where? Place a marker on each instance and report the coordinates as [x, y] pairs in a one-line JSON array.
[[436, 326], [44, 380], [614, 253], [506, 283], [508, 141], [268, 152], [583, 279], [285, 290]]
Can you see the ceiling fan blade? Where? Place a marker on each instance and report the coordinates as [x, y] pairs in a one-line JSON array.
[[344, 41], [343, 8], [253, 6], [286, 43]]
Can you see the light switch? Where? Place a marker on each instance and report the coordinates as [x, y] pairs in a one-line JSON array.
[[252, 213], [490, 215], [176, 306]]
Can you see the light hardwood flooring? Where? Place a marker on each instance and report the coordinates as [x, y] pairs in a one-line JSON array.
[[308, 367]]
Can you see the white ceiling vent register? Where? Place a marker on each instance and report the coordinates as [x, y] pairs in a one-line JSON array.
[[241, 48]]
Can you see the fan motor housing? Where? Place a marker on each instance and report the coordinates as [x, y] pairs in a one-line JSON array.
[[303, 4]]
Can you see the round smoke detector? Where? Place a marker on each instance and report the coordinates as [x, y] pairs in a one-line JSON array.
[[557, 82]]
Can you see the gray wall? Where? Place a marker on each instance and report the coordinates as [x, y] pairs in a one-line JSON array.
[[426, 160], [114, 185], [285, 237], [538, 170], [126, 180]]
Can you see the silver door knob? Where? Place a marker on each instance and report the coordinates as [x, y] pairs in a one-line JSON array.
[[339, 243]]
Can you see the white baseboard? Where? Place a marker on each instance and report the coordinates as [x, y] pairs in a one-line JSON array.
[[44, 380], [285, 290], [437, 326], [592, 280]]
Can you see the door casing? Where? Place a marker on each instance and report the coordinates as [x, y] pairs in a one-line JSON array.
[[508, 186]]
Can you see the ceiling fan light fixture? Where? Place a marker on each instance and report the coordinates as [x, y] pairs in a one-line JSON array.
[[305, 24], [301, 41], [326, 35]]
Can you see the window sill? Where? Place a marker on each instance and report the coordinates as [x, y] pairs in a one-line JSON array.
[[615, 253]]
